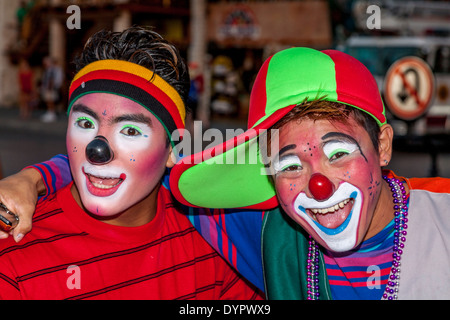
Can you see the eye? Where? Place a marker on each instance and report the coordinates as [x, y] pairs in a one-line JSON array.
[[288, 164], [293, 167], [85, 123], [338, 154], [335, 150], [131, 130]]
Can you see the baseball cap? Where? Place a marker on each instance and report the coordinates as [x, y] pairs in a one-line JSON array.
[[223, 176]]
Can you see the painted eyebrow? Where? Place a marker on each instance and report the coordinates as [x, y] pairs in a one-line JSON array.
[[140, 118], [286, 148], [340, 135], [343, 136], [79, 107]]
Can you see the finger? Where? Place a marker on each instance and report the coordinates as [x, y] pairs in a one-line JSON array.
[[14, 208], [9, 203], [3, 235], [24, 226], [18, 236], [24, 213]]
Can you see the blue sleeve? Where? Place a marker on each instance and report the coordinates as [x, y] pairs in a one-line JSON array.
[[55, 173], [234, 233]]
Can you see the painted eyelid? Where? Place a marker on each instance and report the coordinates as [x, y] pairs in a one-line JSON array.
[[133, 127], [285, 162], [333, 147], [85, 118]]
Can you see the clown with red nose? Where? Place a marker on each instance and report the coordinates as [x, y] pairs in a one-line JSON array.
[[336, 224]]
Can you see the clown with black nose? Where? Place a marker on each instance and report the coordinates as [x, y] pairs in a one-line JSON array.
[[117, 147]]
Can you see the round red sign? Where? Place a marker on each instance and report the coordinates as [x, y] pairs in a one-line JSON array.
[[409, 88]]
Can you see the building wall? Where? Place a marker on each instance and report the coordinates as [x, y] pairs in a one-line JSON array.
[[8, 33]]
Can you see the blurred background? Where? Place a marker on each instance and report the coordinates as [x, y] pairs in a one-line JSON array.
[[225, 43]]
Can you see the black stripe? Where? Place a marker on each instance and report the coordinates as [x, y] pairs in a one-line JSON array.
[[255, 295], [200, 290], [162, 272], [132, 92], [110, 255], [46, 215], [39, 241], [229, 285], [10, 281]]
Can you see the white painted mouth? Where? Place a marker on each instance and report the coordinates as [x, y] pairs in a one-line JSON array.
[[104, 179], [343, 237]]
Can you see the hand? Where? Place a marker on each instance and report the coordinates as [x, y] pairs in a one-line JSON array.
[[19, 194]]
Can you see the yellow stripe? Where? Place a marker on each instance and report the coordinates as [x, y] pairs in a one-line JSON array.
[[135, 69]]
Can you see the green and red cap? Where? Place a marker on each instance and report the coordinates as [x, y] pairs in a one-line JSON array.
[[231, 175]]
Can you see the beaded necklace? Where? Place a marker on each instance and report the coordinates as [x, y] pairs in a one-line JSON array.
[[401, 218]]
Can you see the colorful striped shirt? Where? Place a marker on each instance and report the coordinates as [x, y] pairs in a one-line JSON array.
[[363, 273]]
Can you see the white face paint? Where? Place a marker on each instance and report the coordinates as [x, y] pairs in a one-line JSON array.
[[287, 163], [334, 148], [344, 154], [138, 141], [344, 236]]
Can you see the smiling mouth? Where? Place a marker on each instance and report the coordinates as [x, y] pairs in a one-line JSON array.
[[332, 217], [104, 182], [103, 186]]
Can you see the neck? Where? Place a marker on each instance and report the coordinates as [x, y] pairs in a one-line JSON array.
[[384, 212], [137, 215]]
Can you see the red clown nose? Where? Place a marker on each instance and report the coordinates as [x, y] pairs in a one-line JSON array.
[[320, 186]]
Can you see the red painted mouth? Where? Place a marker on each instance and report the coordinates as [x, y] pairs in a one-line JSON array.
[[103, 186]]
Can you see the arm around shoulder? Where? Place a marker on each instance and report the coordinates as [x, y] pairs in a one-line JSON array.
[[19, 193]]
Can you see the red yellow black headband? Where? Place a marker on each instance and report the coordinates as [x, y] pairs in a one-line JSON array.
[[134, 82]]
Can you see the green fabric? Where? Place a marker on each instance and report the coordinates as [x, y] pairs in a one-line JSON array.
[[236, 166], [285, 252], [286, 86]]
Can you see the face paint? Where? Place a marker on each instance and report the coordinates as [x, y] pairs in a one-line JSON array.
[[289, 163], [131, 132], [332, 201], [335, 149], [335, 220]]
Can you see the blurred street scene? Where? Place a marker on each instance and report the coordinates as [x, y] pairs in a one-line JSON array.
[[225, 43]]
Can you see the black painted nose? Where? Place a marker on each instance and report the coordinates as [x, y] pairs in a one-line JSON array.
[[98, 151]]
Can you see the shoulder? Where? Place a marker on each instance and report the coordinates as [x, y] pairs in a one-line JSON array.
[[430, 195], [437, 184]]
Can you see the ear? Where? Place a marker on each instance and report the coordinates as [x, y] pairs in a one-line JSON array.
[[385, 144], [171, 159]]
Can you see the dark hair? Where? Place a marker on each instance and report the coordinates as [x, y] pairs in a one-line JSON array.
[[334, 111], [143, 47]]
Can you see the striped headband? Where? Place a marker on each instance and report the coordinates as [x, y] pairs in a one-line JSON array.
[[136, 83]]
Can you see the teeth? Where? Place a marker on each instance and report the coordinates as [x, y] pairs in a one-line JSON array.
[[102, 186], [334, 208]]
